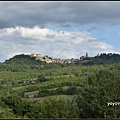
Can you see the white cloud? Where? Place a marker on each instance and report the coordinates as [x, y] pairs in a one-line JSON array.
[[49, 42], [103, 46]]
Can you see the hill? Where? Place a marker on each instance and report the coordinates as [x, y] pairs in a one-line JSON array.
[[22, 63], [104, 58], [88, 88]]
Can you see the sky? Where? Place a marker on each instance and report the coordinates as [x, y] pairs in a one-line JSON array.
[[60, 29]]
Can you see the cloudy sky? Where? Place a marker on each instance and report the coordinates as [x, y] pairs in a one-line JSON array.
[[59, 29]]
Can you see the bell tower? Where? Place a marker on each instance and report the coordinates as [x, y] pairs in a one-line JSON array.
[[86, 54]]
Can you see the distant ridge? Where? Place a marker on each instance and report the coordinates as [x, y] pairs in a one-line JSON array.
[[103, 58]]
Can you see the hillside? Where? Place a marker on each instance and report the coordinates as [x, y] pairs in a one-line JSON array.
[[31, 88], [104, 58], [37, 59], [22, 63]]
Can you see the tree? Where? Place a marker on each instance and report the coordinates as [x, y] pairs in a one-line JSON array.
[[15, 103], [41, 78], [61, 108], [6, 113], [101, 87]]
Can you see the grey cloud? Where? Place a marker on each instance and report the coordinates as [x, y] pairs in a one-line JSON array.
[[29, 14], [66, 25], [115, 24], [95, 28]]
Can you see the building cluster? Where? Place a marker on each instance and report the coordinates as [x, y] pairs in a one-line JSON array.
[[57, 60]]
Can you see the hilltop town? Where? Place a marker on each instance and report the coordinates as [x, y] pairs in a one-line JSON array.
[[48, 59]]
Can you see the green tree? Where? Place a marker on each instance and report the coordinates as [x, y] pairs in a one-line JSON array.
[[15, 103], [61, 108], [101, 87]]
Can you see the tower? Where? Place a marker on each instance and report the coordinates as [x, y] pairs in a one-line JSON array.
[[86, 55]]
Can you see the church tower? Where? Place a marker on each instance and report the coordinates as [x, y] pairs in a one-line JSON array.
[[86, 55]]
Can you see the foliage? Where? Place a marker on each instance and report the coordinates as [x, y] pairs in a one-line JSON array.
[[95, 83], [104, 58], [101, 87]]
